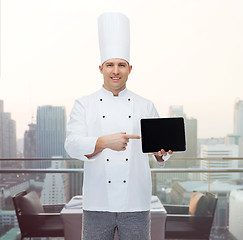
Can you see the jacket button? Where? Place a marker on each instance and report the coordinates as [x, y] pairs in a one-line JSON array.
[[129, 116], [107, 159], [129, 99], [109, 181], [101, 99], [103, 116], [124, 181], [126, 159]]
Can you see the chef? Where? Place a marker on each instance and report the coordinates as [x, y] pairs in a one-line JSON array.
[[104, 132]]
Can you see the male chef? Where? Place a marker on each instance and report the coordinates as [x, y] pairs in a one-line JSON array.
[[104, 132]]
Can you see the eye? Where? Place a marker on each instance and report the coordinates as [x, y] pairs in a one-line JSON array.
[[122, 65]]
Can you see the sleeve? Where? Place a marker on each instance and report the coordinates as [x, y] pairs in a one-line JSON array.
[[165, 158], [78, 143]]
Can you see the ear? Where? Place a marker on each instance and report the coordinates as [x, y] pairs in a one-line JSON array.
[[130, 68], [101, 69]]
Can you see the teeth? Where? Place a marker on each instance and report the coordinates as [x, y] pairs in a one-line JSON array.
[[115, 78]]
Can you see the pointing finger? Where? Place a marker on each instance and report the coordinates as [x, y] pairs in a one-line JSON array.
[[132, 136]]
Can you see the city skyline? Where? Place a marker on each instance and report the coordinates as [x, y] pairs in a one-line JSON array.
[[20, 134], [183, 53]]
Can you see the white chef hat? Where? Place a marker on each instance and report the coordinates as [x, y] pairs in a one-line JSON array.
[[114, 36]]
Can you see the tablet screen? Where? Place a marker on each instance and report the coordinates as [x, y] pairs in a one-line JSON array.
[[163, 133]]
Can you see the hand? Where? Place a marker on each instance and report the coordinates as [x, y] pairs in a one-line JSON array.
[[162, 153], [117, 141], [159, 155]]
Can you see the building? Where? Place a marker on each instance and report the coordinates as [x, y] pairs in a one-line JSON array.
[[54, 187], [50, 133], [238, 124], [8, 218], [30, 146], [176, 111], [20, 147], [219, 151], [209, 141], [75, 180], [13, 185], [232, 139], [8, 146], [236, 213], [30, 142]]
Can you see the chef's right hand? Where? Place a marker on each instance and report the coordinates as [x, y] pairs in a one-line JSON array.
[[117, 141]]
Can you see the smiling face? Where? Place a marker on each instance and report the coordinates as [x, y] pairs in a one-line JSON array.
[[115, 72]]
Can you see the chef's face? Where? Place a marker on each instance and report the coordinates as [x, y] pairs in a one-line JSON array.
[[115, 72]]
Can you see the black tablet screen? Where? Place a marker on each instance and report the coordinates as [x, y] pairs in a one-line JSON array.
[[163, 133]]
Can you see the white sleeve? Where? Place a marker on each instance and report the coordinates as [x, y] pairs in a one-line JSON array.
[[165, 158], [78, 143]]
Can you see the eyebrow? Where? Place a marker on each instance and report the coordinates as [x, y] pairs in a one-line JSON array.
[[118, 63]]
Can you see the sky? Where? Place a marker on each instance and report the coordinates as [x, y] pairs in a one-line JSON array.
[[183, 52]]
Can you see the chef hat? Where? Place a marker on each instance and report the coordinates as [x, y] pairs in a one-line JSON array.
[[114, 36]]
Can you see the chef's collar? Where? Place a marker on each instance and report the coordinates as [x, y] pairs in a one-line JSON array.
[[109, 93]]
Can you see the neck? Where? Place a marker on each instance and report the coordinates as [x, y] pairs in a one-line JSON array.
[[114, 91]]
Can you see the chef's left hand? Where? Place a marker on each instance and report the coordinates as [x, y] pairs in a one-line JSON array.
[[159, 155]]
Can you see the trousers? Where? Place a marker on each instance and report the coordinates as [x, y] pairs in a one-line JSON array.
[[129, 225]]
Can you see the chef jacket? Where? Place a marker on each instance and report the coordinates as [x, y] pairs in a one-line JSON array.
[[114, 181]]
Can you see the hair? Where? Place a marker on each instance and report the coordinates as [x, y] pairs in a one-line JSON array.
[[121, 58]]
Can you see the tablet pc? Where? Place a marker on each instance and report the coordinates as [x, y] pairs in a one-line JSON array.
[[163, 133]]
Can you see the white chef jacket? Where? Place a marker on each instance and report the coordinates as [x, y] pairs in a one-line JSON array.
[[114, 181]]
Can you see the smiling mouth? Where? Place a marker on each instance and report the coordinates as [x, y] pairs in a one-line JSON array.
[[115, 78]]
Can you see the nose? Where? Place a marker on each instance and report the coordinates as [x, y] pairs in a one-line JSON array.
[[116, 70]]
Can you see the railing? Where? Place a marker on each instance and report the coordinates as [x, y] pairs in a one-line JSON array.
[[169, 176], [153, 170]]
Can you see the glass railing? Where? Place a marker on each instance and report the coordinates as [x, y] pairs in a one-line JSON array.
[[57, 180]]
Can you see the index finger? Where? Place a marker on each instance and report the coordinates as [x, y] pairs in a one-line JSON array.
[[132, 136]]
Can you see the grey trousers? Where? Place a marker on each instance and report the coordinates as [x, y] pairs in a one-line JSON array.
[[129, 225]]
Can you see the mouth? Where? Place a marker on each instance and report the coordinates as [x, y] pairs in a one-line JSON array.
[[115, 78]]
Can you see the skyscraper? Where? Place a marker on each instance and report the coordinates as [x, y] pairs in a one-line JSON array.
[[238, 124], [50, 131], [30, 148], [8, 148], [176, 111], [30, 142]]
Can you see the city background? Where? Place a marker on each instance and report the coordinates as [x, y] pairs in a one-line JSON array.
[[44, 139], [187, 59]]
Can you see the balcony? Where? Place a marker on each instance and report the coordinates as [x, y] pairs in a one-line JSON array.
[[58, 180]]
